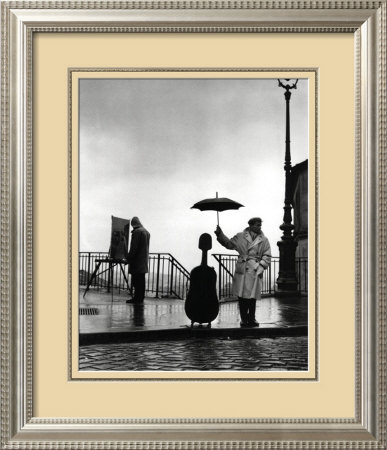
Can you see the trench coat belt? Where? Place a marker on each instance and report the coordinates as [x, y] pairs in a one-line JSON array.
[[245, 258]]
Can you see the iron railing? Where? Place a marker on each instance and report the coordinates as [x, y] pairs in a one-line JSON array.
[[226, 267], [166, 276]]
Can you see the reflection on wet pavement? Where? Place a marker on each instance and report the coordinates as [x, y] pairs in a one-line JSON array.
[[169, 313]]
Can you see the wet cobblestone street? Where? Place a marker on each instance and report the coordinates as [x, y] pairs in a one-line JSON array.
[[246, 354]]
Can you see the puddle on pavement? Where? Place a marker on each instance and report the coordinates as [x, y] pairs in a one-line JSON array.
[[163, 313]]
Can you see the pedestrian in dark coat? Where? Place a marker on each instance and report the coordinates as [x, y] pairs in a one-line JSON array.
[[254, 257], [138, 259]]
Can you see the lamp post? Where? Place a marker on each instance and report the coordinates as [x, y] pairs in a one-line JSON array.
[[287, 278]]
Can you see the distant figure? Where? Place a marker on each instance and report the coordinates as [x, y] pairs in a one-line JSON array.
[[138, 259], [254, 257]]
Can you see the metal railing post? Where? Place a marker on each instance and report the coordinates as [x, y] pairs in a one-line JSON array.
[[220, 277], [171, 280], [110, 278], [88, 266], [157, 275], [269, 278]]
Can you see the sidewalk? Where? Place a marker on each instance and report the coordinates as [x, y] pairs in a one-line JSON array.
[[104, 318], [216, 354]]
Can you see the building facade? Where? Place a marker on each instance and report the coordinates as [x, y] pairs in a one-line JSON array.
[[300, 220]]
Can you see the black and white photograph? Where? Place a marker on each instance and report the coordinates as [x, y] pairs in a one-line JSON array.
[[193, 250], [193, 224]]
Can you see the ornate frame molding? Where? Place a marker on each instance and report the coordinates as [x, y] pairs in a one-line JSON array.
[[367, 19]]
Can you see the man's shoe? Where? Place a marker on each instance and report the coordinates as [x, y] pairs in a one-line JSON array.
[[244, 324], [253, 323]]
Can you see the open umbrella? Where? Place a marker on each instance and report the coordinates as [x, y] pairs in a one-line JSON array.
[[217, 204]]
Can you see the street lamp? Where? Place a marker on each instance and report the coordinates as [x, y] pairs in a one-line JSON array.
[[287, 278]]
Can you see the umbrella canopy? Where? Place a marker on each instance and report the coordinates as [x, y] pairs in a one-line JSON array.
[[216, 204]]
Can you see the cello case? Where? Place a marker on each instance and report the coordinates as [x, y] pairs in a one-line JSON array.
[[202, 305]]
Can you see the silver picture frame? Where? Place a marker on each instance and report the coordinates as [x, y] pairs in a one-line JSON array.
[[19, 21]]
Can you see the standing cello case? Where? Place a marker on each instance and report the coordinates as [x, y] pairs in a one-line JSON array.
[[202, 305]]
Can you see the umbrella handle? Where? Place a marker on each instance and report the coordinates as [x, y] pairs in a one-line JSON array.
[[217, 212]]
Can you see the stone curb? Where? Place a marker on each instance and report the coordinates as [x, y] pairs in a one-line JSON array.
[[187, 333]]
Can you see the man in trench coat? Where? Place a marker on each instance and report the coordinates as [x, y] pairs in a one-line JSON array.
[[138, 259], [254, 258]]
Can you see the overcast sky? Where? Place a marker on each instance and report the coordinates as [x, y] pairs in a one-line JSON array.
[[153, 147]]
